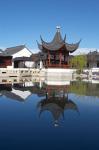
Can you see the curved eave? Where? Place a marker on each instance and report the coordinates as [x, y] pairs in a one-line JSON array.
[[65, 38], [57, 39], [45, 47], [71, 105], [55, 47], [56, 44], [43, 42], [72, 47], [54, 109], [39, 46]]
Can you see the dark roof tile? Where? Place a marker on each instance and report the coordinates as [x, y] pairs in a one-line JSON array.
[[57, 44], [13, 50]]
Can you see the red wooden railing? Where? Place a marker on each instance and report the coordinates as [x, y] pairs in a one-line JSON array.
[[57, 66]]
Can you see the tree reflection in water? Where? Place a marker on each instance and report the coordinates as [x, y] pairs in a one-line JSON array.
[[53, 98]]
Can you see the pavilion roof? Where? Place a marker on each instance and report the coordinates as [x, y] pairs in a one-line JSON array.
[[56, 106], [58, 43]]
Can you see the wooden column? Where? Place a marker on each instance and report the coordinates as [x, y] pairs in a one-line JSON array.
[[64, 58], [60, 58], [68, 59], [48, 58], [54, 58]]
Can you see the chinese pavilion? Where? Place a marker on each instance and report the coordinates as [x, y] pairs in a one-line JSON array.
[[56, 53]]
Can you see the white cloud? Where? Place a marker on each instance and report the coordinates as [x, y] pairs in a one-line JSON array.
[[84, 50], [34, 50], [77, 52], [3, 48]]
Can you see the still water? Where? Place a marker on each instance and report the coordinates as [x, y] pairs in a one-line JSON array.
[[49, 116]]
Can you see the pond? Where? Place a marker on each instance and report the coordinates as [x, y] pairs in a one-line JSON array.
[[40, 115]]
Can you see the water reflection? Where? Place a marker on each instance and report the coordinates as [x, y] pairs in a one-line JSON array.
[[56, 105], [19, 88], [56, 100], [54, 96], [11, 91], [47, 110]]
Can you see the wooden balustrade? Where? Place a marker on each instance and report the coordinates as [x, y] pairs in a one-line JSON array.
[[57, 66]]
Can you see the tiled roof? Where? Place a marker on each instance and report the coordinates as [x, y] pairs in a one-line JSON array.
[[13, 50], [57, 44]]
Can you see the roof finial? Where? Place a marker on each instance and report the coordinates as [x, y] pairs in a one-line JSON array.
[[58, 28]]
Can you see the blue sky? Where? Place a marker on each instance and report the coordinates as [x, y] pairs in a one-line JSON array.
[[23, 21]]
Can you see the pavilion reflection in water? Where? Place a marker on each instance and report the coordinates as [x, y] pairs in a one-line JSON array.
[[56, 101], [54, 95]]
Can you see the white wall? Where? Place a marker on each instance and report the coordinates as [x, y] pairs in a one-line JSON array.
[[30, 64], [23, 53], [22, 94]]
